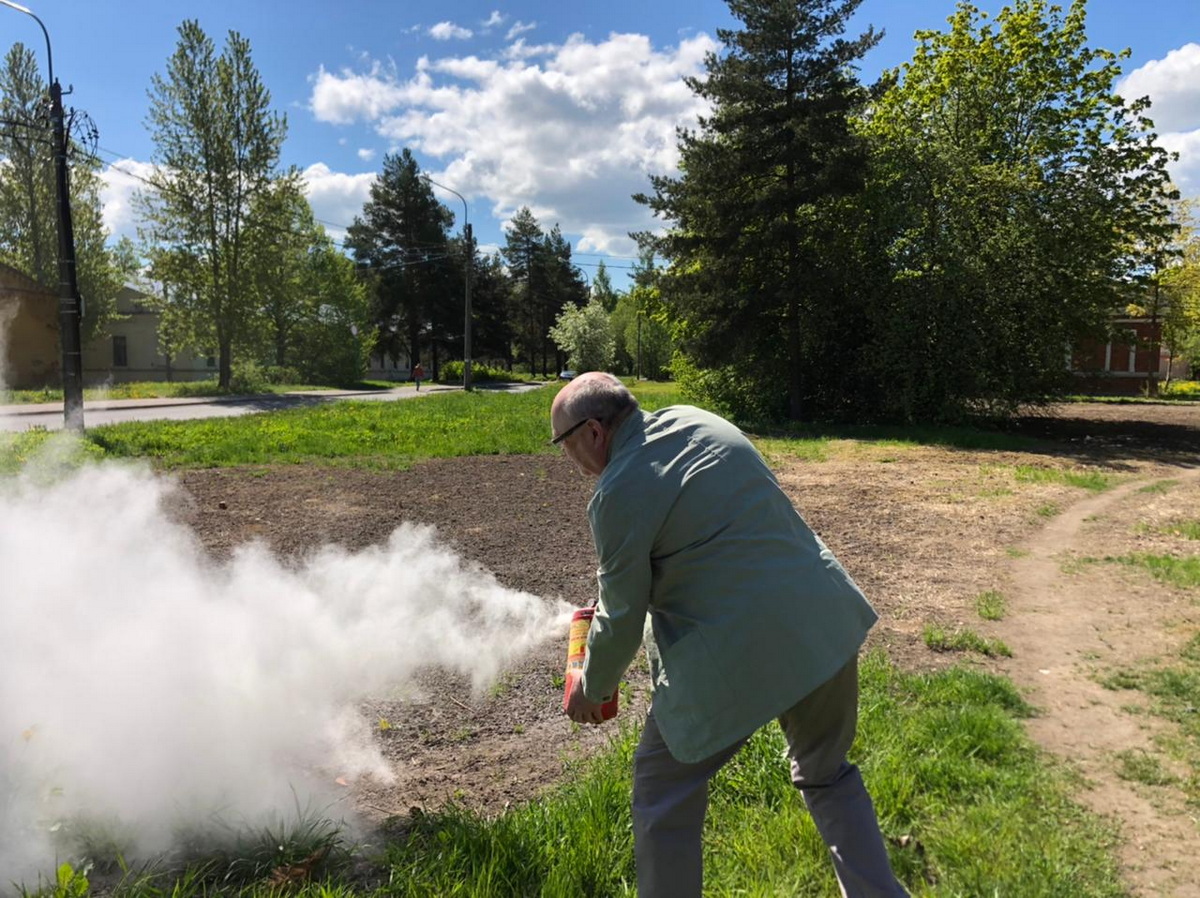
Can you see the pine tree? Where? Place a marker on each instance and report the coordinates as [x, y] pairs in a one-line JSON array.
[[402, 241], [747, 213]]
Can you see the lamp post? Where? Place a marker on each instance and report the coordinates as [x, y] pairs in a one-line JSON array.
[[470, 258], [68, 290]]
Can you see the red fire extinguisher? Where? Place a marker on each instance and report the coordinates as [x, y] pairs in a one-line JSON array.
[[581, 622]]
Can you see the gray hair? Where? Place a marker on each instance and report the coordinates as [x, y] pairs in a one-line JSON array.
[[601, 396]]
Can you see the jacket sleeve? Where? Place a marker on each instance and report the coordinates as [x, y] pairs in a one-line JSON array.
[[624, 539]]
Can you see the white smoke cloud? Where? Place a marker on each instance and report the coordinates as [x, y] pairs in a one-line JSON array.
[[142, 681]]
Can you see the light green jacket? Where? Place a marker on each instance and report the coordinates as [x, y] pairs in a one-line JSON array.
[[748, 610]]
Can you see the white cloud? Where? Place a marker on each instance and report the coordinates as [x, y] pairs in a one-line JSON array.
[[496, 18], [519, 28], [347, 96], [519, 50], [366, 154], [1173, 85], [121, 179], [336, 197], [1186, 171], [446, 31], [572, 135]]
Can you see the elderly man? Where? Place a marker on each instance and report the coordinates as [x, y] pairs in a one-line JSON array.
[[750, 618]]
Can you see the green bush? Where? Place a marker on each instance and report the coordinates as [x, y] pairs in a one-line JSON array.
[[248, 377], [282, 374], [452, 372], [1181, 389], [744, 396]]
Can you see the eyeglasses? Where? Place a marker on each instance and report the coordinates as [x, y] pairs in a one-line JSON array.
[[570, 430]]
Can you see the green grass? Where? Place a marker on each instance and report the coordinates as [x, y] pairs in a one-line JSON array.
[[1158, 487], [394, 435], [1088, 480], [966, 803], [381, 435], [939, 639], [1182, 572], [1189, 529], [991, 605], [811, 449], [385, 435], [1140, 766], [1174, 692]]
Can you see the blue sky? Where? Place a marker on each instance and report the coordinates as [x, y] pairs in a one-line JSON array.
[[564, 107]]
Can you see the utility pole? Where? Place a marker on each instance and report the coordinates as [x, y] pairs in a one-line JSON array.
[[69, 310], [470, 263], [470, 249]]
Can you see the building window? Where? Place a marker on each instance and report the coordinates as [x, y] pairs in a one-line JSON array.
[[120, 353]]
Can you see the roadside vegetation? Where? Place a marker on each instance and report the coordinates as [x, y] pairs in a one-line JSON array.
[[969, 806]]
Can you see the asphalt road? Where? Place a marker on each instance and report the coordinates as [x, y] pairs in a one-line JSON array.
[[99, 412]]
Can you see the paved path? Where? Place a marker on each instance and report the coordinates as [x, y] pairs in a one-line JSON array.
[[113, 411]]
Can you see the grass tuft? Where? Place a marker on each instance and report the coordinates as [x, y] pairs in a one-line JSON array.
[[991, 605], [941, 640], [1088, 480], [1139, 766], [1181, 572]]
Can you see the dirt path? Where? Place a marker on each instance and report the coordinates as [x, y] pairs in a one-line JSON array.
[[1069, 622]]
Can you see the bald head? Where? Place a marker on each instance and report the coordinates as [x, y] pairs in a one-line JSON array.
[[595, 394], [584, 416]]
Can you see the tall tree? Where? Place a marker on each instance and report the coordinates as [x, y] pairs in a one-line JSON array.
[[29, 204], [279, 268], [334, 335], [545, 281], [602, 288], [401, 239], [524, 253], [492, 304], [745, 243], [563, 287], [216, 147], [1013, 196], [1169, 289]]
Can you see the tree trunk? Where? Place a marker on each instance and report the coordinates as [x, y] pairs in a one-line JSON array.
[[225, 364]]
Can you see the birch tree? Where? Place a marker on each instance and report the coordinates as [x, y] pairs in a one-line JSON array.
[[216, 151]]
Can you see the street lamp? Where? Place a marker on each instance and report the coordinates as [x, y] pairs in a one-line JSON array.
[[68, 290], [470, 254]]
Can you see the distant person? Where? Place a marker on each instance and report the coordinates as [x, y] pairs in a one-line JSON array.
[[750, 618], [418, 374]]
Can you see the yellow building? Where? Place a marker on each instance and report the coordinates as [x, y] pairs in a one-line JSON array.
[[29, 350]]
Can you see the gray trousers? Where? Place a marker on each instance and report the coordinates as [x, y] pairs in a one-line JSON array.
[[670, 799]]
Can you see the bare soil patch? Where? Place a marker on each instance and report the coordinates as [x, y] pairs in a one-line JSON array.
[[924, 531]]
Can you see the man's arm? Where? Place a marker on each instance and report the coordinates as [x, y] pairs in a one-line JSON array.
[[624, 538]]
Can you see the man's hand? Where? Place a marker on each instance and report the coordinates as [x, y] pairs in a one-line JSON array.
[[579, 708]]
